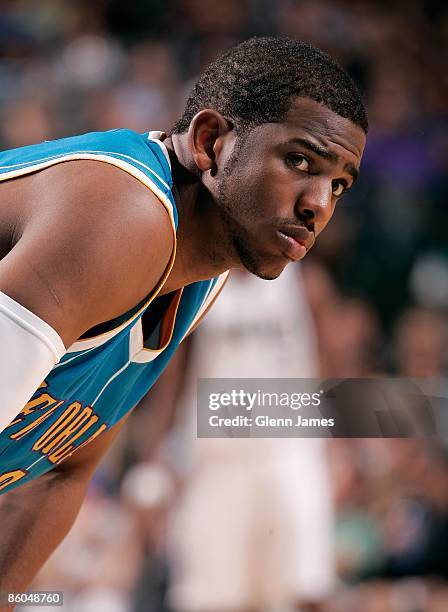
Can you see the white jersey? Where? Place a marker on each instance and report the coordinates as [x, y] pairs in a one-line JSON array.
[[261, 329]]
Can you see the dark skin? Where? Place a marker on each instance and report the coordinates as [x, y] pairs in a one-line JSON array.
[[67, 241]]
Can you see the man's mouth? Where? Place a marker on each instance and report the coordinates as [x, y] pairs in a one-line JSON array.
[[296, 241]]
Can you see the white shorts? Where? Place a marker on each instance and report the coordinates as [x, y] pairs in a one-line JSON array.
[[255, 532]]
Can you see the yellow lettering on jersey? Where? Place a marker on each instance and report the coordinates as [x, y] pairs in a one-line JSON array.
[[70, 429], [57, 442], [25, 430], [62, 452], [66, 417], [8, 478]]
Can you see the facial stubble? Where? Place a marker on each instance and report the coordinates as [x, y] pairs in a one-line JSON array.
[[235, 206]]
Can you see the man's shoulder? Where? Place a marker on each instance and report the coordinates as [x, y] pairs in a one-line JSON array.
[[93, 189], [90, 201], [100, 239]]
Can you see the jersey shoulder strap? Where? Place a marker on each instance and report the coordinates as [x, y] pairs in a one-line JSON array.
[[141, 155]]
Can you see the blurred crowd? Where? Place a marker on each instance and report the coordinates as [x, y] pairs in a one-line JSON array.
[[371, 300]]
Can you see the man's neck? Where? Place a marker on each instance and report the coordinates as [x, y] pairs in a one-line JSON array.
[[201, 248]]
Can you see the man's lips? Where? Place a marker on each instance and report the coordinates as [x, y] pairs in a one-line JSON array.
[[296, 240], [299, 232]]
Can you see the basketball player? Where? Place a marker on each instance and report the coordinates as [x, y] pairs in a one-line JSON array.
[[275, 551], [113, 245]]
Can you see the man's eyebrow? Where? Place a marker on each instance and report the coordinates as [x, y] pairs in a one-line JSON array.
[[325, 154], [352, 170]]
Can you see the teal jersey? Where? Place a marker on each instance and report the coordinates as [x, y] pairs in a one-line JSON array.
[[107, 371]]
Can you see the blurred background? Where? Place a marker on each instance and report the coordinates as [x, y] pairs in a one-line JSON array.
[[176, 524]]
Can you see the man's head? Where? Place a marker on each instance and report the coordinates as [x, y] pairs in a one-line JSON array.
[[277, 129]]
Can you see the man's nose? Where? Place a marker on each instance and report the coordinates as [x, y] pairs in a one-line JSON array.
[[314, 204]]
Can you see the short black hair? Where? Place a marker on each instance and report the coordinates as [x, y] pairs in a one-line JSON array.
[[252, 83]]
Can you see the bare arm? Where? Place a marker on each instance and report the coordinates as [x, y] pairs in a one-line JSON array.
[[36, 517]]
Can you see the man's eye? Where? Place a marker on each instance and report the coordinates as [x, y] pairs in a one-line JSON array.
[[338, 189], [299, 161]]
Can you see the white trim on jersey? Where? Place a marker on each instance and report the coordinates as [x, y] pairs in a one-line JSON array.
[[139, 355], [47, 162], [113, 377], [58, 157], [137, 351], [208, 301], [62, 363], [155, 136]]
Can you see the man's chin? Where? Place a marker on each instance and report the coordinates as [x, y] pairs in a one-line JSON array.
[[265, 266], [265, 272]]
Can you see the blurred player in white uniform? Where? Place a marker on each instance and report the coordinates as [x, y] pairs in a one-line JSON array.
[[254, 527]]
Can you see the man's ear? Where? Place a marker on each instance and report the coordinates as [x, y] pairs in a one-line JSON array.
[[206, 138]]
